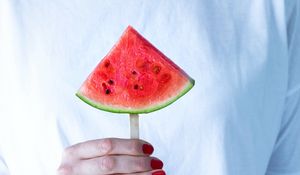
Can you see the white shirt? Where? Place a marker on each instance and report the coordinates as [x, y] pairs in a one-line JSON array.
[[241, 118]]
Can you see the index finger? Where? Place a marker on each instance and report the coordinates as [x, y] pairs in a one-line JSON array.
[[109, 146]]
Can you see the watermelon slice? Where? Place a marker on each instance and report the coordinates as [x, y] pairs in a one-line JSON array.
[[134, 77]]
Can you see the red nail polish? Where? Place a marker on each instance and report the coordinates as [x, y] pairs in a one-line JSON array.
[[148, 149], [159, 173], [156, 164]]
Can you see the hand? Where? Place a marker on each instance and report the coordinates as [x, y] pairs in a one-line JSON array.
[[110, 156]]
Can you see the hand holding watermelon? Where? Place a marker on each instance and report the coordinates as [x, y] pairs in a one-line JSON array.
[[110, 156], [134, 77]]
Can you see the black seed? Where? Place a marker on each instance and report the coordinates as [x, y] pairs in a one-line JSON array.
[[136, 87], [107, 63], [111, 82], [107, 91], [104, 85], [134, 72]]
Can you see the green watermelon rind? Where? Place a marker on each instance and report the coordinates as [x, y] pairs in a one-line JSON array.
[[92, 103]]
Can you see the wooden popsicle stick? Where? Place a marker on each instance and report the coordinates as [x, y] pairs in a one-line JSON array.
[[134, 126]]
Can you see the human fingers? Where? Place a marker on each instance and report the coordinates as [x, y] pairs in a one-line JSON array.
[[109, 146], [117, 165]]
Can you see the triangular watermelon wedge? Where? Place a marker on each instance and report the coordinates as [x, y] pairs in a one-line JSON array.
[[134, 77]]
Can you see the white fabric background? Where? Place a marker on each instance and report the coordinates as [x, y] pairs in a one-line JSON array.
[[241, 118]]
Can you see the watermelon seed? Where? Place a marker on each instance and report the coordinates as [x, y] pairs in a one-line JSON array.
[[104, 85], [107, 91], [141, 87], [156, 69], [165, 78], [142, 63], [107, 63], [136, 86], [111, 82], [134, 72]]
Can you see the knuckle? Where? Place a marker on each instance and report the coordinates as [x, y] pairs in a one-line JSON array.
[[68, 152], [64, 170], [106, 145], [107, 164], [134, 146], [140, 164]]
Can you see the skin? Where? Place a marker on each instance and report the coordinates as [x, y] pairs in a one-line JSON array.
[[109, 156]]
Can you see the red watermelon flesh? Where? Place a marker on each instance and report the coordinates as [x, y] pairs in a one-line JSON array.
[[134, 77]]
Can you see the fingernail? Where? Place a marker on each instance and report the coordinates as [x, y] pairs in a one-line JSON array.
[[159, 173], [156, 164], [148, 149]]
